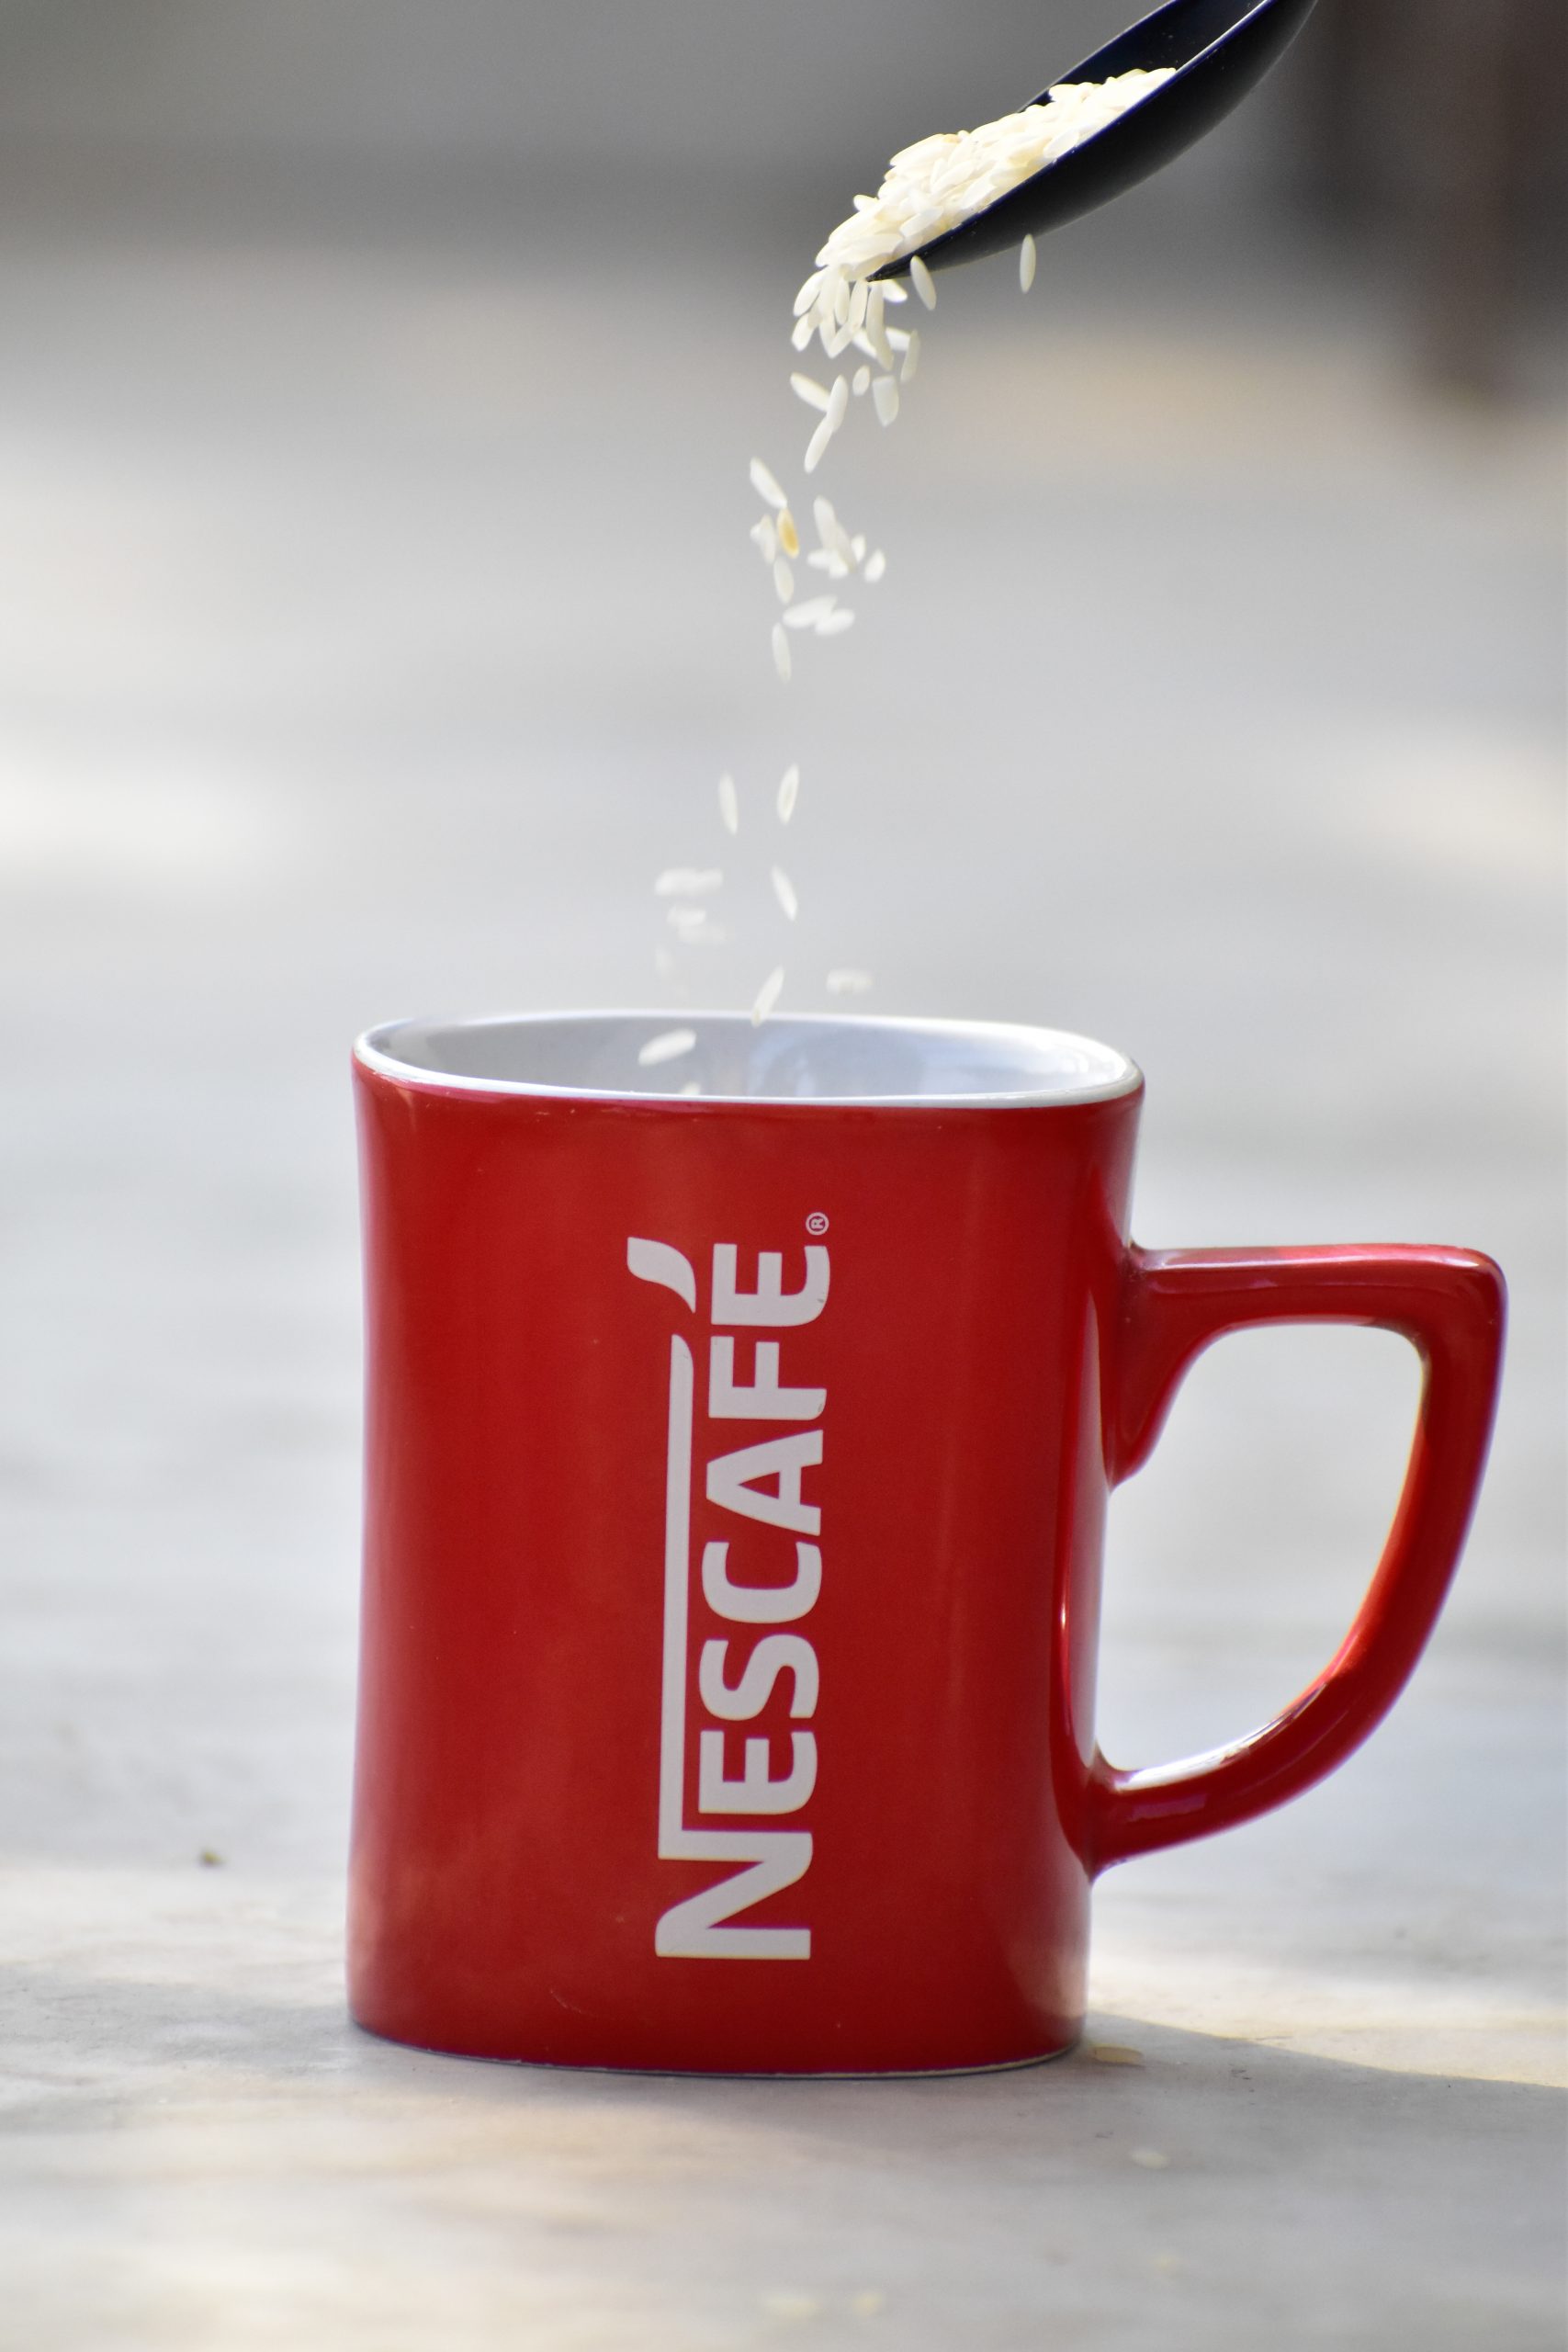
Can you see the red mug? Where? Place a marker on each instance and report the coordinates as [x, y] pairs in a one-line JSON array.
[[737, 1466]]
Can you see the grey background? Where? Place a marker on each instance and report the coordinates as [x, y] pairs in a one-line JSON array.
[[376, 614]]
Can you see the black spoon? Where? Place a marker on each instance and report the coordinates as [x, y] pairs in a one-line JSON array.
[[1220, 49]]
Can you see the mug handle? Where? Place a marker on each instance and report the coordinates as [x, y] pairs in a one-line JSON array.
[[1450, 1305]]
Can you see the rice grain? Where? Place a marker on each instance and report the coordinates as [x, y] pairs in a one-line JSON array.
[[729, 804], [668, 1046], [687, 881], [922, 282], [781, 653], [768, 995], [783, 891], [765, 486], [789, 793], [884, 398], [1026, 258], [784, 581]]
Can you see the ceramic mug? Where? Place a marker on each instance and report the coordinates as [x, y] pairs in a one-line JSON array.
[[737, 1466]]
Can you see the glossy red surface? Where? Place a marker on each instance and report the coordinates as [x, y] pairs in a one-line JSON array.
[[990, 1356]]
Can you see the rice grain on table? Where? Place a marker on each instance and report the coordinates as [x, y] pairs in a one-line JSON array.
[[668, 1046], [768, 995], [789, 793], [783, 891], [729, 804]]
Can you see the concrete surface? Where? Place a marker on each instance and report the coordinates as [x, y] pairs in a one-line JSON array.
[[378, 615]]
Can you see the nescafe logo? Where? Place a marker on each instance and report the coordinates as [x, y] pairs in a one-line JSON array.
[[758, 1505]]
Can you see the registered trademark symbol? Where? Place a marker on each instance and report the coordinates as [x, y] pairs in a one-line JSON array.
[[817, 1221]]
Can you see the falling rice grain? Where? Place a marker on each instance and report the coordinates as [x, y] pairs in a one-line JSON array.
[[692, 1086], [884, 397], [781, 653], [816, 447], [789, 537], [729, 804], [835, 623], [911, 358], [764, 537], [789, 793], [768, 995], [1026, 257], [804, 331], [831, 532], [763, 483], [861, 382], [840, 399], [923, 284], [784, 891], [688, 881], [875, 565], [810, 612], [784, 581], [814, 395], [668, 1046]]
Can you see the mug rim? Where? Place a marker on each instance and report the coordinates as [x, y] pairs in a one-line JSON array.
[[1106, 1075]]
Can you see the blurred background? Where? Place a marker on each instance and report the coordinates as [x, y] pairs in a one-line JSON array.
[[376, 617]]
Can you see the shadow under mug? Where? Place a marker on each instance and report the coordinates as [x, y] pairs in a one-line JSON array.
[[743, 1408]]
